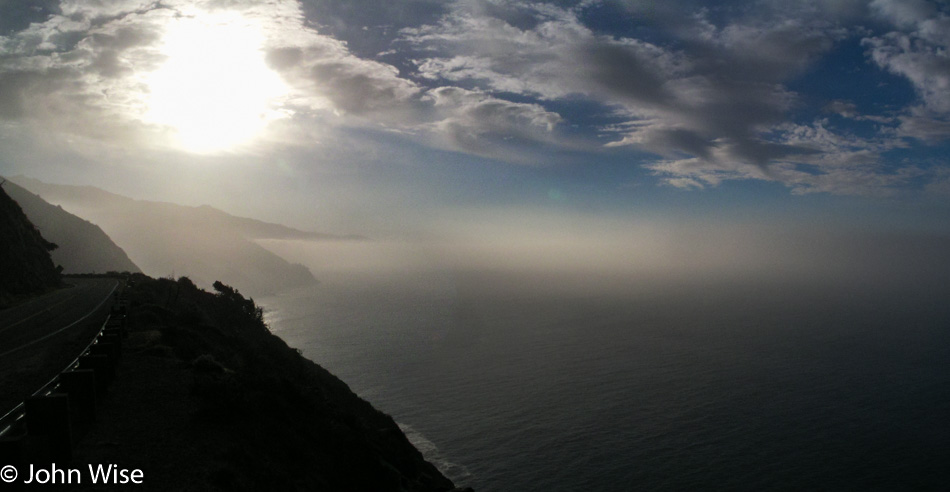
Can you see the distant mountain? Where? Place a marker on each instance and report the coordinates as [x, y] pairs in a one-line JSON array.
[[258, 229], [83, 246], [26, 267], [203, 243]]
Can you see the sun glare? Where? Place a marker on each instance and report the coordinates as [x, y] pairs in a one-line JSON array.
[[215, 90]]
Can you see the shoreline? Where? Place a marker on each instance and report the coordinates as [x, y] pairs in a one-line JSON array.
[[207, 398]]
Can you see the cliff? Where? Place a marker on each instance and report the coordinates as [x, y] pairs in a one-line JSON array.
[[25, 265], [167, 239], [208, 399], [83, 246]]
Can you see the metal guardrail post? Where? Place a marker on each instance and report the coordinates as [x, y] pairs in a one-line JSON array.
[[113, 339], [110, 350], [13, 450], [80, 385], [104, 369], [48, 417]]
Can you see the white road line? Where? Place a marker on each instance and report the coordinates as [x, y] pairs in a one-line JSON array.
[[39, 313], [114, 287]]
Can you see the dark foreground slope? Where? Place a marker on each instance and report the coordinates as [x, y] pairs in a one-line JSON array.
[[208, 399], [83, 246], [25, 265]]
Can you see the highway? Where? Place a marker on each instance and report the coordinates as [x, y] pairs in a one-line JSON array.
[[39, 337]]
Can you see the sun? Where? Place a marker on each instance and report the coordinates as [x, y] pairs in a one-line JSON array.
[[215, 90]]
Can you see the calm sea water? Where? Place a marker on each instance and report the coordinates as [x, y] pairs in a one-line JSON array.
[[520, 383]]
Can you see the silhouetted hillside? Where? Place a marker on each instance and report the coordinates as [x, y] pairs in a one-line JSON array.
[[166, 239], [83, 246], [208, 399], [25, 265]]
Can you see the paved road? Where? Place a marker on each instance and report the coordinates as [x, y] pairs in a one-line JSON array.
[[38, 338]]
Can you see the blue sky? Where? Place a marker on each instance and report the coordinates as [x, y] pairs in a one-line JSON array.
[[379, 117]]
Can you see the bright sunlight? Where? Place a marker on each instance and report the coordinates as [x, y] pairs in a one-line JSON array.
[[215, 90]]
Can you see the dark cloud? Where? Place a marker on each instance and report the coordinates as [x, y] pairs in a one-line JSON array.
[[623, 72], [662, 141], [712, 95]]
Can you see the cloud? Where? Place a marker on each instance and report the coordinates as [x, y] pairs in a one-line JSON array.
[[823, 161], [918, 50], [857, 173], [709, 106], [83, 71], [703, 91], [905, 13], [846, 109], [712, 104], [923, 125], [326, 76], [481, 124], [75, 76], [557, 57]]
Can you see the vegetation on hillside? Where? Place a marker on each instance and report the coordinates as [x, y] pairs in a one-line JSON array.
[[25, 265], [276, 420]]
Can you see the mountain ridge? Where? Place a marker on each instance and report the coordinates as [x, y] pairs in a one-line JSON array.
[[256, 228], [168, 239], [83, 246]]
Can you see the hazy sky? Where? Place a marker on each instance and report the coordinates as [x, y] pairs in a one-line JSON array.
[[381, 117]]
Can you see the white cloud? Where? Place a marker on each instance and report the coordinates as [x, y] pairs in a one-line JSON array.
[[918, 50], [905, 13], [555, 58], [84, 73], [711, 103], [825, 161], [715, 106]]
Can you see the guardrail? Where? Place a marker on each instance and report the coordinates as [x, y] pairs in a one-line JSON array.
[[41, 427]]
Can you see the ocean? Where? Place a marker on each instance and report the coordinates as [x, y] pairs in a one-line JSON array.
[[523, 381]]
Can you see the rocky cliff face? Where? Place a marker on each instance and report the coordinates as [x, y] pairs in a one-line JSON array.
[[83, 246], [25, 264]]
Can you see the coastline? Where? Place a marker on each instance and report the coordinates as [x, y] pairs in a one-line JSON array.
[[208, 399]]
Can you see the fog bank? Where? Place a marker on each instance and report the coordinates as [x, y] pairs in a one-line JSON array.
[[604, 255]]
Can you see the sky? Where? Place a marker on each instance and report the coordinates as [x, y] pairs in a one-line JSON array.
[[396, 118]]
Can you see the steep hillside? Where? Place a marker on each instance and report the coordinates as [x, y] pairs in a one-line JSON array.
[[166, 239], [83, 246], [207, 398], [25, 265]]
